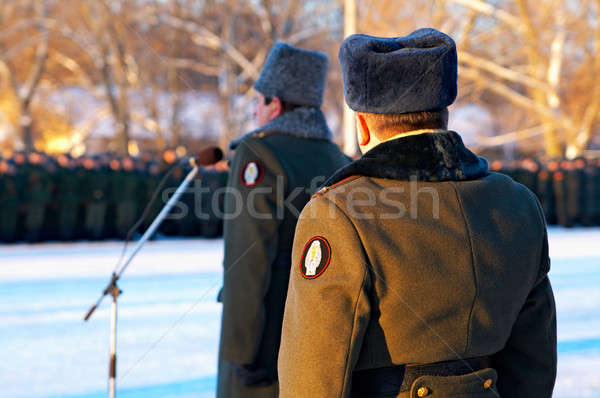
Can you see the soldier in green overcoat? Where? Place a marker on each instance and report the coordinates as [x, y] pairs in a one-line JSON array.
[[572, 193], [67, 197], [595, 200], [527, 174], [172, 224], [416, 272], [190, 224], [95, 191], [211, 203], [37, 192], [273, 172], [125, 188], [9, 201], [590, 194], [546, 191], [150, 178]]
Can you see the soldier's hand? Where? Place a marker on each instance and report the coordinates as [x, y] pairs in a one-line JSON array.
[[252, 375]]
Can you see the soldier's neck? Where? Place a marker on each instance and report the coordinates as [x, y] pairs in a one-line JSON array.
[[375, 141], [414, 132]]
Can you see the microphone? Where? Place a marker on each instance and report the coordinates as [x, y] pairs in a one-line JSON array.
[[207, 156]]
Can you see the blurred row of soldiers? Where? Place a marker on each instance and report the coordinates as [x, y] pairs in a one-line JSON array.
[[569, 190], [62, 198]]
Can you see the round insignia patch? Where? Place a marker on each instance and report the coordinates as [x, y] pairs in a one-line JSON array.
[[315, 257], [252, 173]]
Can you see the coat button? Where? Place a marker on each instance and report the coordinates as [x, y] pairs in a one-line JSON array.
[[423, 392], [487, 384]]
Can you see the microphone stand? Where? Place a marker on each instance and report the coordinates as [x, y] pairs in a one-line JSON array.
[[113, 290]]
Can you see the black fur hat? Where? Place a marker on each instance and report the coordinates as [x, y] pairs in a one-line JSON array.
[[414, 73], [294, 75]]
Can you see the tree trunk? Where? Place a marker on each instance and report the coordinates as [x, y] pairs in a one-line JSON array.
[[122, 140], [27, 131], [350, 144]]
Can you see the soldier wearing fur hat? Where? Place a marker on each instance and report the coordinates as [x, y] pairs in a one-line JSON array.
[[273, 172], [416, 272]]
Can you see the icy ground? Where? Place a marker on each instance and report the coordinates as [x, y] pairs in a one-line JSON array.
[[169, 320]]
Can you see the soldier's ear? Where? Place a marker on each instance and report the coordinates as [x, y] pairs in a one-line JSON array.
[[363, 130], [276, 107]]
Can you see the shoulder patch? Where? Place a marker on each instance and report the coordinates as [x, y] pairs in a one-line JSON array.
[[315, 257], [252, 173]]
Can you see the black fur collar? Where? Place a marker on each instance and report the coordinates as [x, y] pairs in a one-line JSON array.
[[305, 122], [425, 157]]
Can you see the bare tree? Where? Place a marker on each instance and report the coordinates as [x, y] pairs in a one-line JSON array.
[[24, 91], [533, 65], [233, 38], [131, 56], [517, 57]]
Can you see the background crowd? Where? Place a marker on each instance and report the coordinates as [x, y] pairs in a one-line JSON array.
[[46, 197], [63, 198], [569, 190]]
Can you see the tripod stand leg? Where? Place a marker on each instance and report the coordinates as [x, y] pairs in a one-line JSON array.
[[112, 383]]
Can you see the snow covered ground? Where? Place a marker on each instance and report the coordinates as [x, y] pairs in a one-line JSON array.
[[169, 319]]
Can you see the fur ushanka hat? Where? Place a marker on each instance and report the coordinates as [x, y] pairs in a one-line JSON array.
[[294, 75], [399, 75]]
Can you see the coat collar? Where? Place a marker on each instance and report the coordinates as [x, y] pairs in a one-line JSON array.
[[305, 122], [425, 157]]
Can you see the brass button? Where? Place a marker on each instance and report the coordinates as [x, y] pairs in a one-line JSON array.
[[487, 384], [423, 391]]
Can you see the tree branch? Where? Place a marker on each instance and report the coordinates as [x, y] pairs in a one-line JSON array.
[[190, 64], [489, 9], [592, 111], [515, 97], [37, 69], [503, 139], [503, 72], [205, 38]]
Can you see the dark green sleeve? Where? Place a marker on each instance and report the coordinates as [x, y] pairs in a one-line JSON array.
[[251, 240], [527, 365]]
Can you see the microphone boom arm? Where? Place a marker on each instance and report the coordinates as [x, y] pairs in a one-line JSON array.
[[151, 229], [161, 216]]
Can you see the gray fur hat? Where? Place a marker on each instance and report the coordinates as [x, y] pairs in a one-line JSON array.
[[398, 75], [294, 75]]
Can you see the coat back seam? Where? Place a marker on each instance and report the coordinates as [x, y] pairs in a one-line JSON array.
[[473, 269]]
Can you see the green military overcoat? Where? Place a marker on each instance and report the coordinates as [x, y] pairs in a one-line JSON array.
[[418, 255], [9, 210], [273, 174]]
